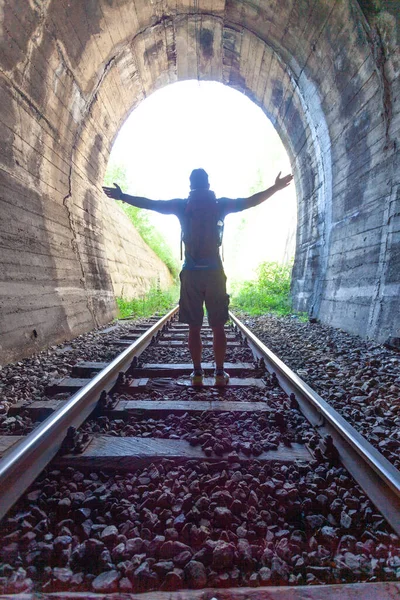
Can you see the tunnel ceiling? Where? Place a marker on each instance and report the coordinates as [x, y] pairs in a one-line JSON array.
[[324, 71]]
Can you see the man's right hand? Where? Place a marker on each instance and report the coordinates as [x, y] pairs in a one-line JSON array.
[[113, 192]]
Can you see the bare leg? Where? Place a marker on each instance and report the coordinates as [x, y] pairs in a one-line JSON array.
[[195, 345], [219, 345]]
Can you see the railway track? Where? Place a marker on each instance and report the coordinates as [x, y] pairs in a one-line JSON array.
[[143, 414]]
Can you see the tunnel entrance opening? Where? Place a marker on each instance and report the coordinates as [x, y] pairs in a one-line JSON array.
[[195, 124]]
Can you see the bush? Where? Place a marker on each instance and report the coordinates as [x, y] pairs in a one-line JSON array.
[[155, 300], [270, 292]]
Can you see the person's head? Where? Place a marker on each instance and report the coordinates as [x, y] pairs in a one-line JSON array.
[[199, 180]]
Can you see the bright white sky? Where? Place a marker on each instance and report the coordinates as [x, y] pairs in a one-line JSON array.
[[194, 124]]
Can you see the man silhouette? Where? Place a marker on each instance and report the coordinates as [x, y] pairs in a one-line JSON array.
[[203, 280]]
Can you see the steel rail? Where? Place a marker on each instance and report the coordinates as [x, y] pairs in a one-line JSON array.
[[379, 479], [25, 461]]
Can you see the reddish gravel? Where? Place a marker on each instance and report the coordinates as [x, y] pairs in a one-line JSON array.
[[27, 380], [360, 379], [216, 433], [194, 525], [202, 524]]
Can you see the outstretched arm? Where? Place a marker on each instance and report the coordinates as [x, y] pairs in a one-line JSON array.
[[280, 184], [259, 197], [162, 206]]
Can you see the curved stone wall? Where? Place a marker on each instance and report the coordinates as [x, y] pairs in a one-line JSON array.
[[326, 74]]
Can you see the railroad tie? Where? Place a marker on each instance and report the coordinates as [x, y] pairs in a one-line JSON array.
[[178, 369], [40, 409], [124, 453]]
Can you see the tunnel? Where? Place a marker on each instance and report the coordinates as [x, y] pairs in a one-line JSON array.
[[325, 72]]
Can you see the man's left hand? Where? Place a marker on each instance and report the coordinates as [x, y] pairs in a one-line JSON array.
[[282, 182]]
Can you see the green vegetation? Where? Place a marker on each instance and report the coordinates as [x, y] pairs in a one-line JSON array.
[[270, 292], [139, 218], [152, 237], [155, 300], [116, 173]]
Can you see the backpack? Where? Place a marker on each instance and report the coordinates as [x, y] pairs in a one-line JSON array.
[[202, 225]]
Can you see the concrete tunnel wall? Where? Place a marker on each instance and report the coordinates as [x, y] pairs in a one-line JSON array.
[[325, 72]]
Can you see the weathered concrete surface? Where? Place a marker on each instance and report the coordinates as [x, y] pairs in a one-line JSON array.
[[325, 72]]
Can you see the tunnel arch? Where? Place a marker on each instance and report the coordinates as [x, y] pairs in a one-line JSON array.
[[296, 113], [71, 72]]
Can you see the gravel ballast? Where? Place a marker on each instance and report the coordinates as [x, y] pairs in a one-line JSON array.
[[360, 379], [214, 524], [204, 524]]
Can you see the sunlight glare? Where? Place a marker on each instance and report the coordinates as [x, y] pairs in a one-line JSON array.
[[194, 124]]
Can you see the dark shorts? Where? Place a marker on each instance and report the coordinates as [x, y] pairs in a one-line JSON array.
[[203, 287]]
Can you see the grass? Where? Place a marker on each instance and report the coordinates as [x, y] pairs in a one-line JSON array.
[[155, 300], [269, 293]]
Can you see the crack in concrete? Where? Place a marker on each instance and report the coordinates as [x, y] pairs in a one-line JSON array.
[[39, 115], [378, 51], [64, 62], [74, 242], [75, 247], [37, 34], [32, 44], [381, 60]]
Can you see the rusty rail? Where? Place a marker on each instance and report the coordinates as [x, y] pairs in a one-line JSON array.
[[373, 472], [23, 463]]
